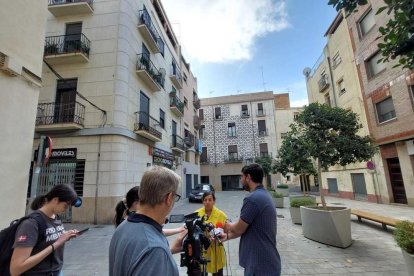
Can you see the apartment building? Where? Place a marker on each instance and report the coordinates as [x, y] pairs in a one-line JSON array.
[[285, 115], [20, 82], [388, 95], [113, 100], [334, 80], [235, 130]]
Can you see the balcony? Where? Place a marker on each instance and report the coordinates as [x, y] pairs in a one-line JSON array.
[[245, 114], [189, 140], [149, 32], [177, 144], [70, 7], [204, 160], [196, 103], [260, 113], [196, 122], [175, 76], [59, 116], [323, 83], [64, 49], [233, 158], [147, 71], [176, 105], [263, 132], [146, 126]]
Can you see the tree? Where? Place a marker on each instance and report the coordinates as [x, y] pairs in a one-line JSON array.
[[266, 163], [294, 158], [398, 33], [328, 136]]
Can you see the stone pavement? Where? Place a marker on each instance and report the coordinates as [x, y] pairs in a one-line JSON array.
[[373, 251]]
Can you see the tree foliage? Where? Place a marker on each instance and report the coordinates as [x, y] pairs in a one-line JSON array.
[[266, 163], [326, 135], [397, 34]]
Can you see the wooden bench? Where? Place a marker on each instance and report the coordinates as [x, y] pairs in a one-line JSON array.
[[374, 217]]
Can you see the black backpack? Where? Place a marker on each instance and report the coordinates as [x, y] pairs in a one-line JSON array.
[[7, 237]]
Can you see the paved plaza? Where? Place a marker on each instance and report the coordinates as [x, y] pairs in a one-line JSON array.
[[373, 251]]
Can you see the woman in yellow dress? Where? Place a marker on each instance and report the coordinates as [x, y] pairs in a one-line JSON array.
[[215, 253]]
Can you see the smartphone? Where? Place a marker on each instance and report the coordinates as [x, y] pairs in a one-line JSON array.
[[80, 232]]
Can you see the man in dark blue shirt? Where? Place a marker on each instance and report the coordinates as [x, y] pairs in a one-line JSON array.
[[257, 227]]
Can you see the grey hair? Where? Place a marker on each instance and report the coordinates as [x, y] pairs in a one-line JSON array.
[[156, 183]]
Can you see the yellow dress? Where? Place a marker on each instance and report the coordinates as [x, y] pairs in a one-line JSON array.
[[215, 253]]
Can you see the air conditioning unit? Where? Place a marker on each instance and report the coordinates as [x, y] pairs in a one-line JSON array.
[[10, 65], [410, 147]]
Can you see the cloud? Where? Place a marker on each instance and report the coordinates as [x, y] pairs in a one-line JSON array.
[[299, 103], [224, 30]]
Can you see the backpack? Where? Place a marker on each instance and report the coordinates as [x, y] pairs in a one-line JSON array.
[[7, 237]]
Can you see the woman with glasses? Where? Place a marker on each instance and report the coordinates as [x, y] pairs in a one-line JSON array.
[[40, 239], [215, 253], [130, 205]]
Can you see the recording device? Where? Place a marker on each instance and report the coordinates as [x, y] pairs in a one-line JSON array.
[[195, 243], [80, 232]]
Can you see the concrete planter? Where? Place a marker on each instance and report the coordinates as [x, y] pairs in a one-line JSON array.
[[409, 261], [285, 191], [331, 226], [295, 215], [278, 202]]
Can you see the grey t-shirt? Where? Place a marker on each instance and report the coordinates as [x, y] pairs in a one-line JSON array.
[[27, 236], [257, 249], [138, 247]]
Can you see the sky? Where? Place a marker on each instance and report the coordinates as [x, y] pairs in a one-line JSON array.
[[245, 46]]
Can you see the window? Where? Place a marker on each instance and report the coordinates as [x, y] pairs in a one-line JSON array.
[[283, 135], [328, 99], [202, 131], [262, 127], [263, 150], [201, 114], [233, 152], [336, 60], [366, 23], [260, 111], [185, 102], [385, 110], [244, 110], [372, 65], [217, 113], [162, 118], [341, 87], [232, 130], [295, 115], [185, 77]]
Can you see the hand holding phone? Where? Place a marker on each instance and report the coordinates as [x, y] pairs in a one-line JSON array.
[[80, 232]]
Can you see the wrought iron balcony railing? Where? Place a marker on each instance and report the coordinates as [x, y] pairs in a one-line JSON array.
[[189, 140], [204, 160], [63, 2], [263, 132], [147, 123], [66, 44], [177, 142], [145, 18], [245, 113], [176, 73], [144, 63], [176, 102], [260, 112], [58, 113], [233, 158], [323, 83]]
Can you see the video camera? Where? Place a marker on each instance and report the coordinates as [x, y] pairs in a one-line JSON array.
[[195, 243]]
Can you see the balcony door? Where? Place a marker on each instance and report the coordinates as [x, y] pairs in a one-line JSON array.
[[144, 103], [73, 37], [65, 103]]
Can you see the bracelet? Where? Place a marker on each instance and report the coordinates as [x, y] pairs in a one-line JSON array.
[[53, 248]]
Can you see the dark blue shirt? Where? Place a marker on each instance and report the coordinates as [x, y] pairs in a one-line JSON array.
[[257, 252]]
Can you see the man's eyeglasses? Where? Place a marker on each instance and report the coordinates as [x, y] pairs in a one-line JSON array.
[[177, 197]]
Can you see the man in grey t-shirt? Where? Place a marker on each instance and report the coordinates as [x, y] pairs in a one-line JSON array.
[[257, 227], [138, 246]]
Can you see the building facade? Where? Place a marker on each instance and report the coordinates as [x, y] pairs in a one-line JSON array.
[[113, 100], [235, 130], [20, 82], [388, 95]]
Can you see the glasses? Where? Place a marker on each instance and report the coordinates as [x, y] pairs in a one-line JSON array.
[[177, 197]]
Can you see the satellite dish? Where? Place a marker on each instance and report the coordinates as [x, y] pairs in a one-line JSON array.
[[307, 72]]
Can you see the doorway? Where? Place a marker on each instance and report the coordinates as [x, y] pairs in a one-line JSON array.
[[360, 188], [397, 183], [65, 101]]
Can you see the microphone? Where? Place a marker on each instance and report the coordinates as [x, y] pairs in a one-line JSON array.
[[217, 231]]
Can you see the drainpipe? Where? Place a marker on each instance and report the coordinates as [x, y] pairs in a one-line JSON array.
[[95, 218], [332, 80]]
